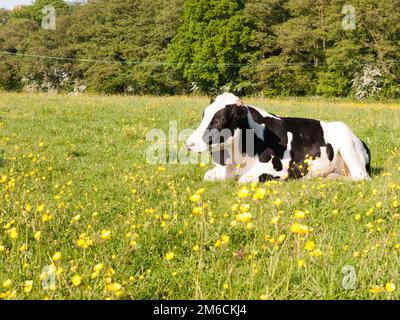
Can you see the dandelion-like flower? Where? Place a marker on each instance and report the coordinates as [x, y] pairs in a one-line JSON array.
[[169, 256], [300, 229], [243, 193]]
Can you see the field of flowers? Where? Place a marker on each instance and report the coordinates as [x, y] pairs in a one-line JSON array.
[[84, 216]]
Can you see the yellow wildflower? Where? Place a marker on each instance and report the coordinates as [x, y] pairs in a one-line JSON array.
[[37, 235], [309, 245], [243, 193], [56, 256], [390, 287], [300, 229], [243, 217], [298, 214], [278, 202], [260, 194], [375, 289], [301, 263], [7, 283], [169, 256], [76, 280], [28, 285], [195, 198], [105, 234]]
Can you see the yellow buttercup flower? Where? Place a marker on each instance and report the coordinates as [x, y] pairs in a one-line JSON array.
[[114, 287], [200, 191], [243, 193], [76, 280], [301, 263], [309, 245], [169, 256], [281, 238], [98, 267], [56, 256], [195, 198], [105, 234], [13, 233], [197, 211], [225, 239], [260, 194], [275, 220], [299, 214], [300, 229], [40, 208], [278, 202], [37, 235], [316, 253], [28, 285], [7, 283], [243, 217], [59, 271], [390, 287], [375, 289]]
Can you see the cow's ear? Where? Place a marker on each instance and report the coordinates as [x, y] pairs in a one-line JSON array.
[[240, 103]]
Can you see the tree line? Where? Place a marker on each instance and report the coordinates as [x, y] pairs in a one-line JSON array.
[[333, 48]]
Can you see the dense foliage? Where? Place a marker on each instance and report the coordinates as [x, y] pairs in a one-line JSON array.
[[268, 47]]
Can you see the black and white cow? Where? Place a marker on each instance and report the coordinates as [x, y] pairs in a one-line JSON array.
[[283, 147]]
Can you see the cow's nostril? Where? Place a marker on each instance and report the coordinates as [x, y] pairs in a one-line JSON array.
[[190, 144]]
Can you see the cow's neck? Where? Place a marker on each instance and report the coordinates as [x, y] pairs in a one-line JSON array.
[[264, 137]]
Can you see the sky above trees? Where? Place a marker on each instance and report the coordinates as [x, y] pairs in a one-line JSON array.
[[9, 4]]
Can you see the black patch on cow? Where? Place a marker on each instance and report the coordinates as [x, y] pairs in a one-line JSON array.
[[368, 166], [330, 152], [265, 156], [267, 177], [277, 163]]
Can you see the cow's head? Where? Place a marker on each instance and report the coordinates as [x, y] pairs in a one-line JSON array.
[[218, 126]]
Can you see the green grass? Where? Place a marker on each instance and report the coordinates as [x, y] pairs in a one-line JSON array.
[[83, 155]]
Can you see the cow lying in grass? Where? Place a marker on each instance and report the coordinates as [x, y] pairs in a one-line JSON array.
[[255, 146]]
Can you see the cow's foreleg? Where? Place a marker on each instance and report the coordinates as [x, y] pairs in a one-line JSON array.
[[259, 171], [220, 172]]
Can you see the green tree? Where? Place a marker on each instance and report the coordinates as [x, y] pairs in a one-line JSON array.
[[133, 35], [211, 43]]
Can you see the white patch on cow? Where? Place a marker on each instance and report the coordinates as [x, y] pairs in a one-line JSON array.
[[218, 173], [265, 114], [350, 148], [258, 128], [321, 166], [287, 157]]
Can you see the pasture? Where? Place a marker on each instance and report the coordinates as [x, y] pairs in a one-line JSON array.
[[83, 216]]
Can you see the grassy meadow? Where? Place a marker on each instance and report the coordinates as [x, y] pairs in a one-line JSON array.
[[83, 216]]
